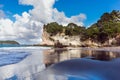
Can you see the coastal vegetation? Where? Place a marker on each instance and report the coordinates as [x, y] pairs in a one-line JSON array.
[[9, 42], [107, 27], [71, 29], [53, 28]]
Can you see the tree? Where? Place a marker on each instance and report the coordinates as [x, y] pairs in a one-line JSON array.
[[73, 29], [53, 28]]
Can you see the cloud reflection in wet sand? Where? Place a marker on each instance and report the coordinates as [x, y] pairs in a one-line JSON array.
[[85, 69], [63, 64]]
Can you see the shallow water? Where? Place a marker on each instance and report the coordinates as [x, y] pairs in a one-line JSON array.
[[61, 64], [25, 67]]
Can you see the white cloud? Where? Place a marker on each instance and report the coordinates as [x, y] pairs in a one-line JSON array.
[[44, 12], [24, 29], [29, 30], [42, 9], [28, 27], [5, 32], [62, 19]]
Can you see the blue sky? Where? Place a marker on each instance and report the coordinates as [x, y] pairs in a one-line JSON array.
[[30, 16], [14, 7], [92, 8], [11, 7]]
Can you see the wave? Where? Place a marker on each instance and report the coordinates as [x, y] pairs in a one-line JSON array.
[[23, 48], [7, 58]]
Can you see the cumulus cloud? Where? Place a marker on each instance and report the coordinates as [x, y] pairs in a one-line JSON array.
[[62, 19], [24, 29], [4, 31], [44, 12], [27, 28]]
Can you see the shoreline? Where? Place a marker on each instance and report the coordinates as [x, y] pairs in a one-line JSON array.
[[112, 49]]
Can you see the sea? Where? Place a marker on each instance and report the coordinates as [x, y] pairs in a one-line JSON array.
[[47, 63]]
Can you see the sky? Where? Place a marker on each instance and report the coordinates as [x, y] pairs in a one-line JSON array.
[[23, 20]]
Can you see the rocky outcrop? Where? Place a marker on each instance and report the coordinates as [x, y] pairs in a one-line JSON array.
[[62, 40], [106, 32], [46, 39], [65, 40]]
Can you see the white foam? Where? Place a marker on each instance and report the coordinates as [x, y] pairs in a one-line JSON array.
[[11, 57], [23, 48], [13, 61]]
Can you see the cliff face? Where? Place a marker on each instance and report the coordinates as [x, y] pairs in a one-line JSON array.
[[61, 38], [106, 32], [75, 41], [46, 39], [54, 33]]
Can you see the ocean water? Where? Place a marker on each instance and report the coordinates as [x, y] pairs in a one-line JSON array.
[[20, 63], [9, 45], [11, 57], [45, 63]]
